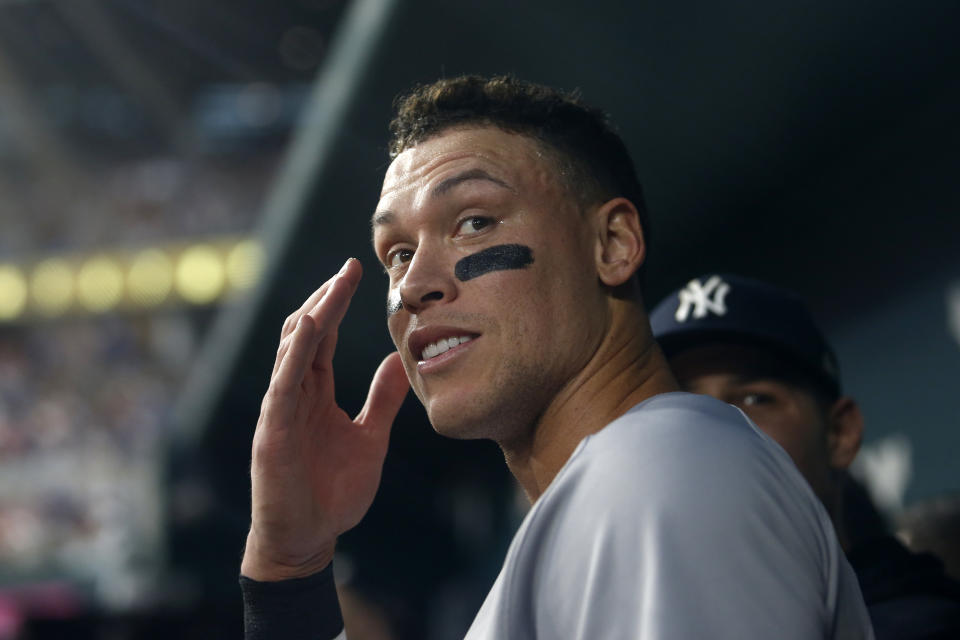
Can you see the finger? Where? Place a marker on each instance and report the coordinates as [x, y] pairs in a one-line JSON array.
[[290, 322], [345, 283], [329, 313], [281, 352], [293, 365], [289, 325], [387, 391]]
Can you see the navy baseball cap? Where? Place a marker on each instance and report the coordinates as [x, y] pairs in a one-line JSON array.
[[729, 308]]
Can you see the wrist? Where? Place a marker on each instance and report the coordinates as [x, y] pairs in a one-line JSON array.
[[265, 566]]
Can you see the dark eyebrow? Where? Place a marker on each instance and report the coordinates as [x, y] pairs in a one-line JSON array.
[[381, 218], [471, 174], [388, 217]]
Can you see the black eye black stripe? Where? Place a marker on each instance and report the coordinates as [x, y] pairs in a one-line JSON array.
[[497, 258]]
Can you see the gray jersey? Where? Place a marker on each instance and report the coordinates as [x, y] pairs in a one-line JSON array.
[[679, 520]]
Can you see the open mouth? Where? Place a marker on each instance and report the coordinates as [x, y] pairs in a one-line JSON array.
[[437, 347]]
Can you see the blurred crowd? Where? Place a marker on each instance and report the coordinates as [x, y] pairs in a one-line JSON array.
[[95, 158], [133, 203], [86, 401]]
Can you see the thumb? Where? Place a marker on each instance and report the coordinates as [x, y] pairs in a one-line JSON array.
[[387, 391]]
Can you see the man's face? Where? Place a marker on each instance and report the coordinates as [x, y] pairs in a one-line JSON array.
[[746, 377], [494, 302]]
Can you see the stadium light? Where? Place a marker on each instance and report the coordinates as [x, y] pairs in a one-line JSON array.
[[124, 280], [13, 292], [150, 278], [100, 284], [244, 264], [200, 274], [52, 285]]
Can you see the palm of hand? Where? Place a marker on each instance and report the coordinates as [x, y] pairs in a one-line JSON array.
[[315, 471]]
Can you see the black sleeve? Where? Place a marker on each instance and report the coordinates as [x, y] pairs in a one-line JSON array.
[[305, 608]]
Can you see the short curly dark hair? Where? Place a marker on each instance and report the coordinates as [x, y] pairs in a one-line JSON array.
[[592, 159]]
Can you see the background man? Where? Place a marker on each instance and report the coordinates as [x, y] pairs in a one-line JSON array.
[[511, 226], [757, 347]]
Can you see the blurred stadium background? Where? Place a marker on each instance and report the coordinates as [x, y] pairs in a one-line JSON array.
[[175, 177]]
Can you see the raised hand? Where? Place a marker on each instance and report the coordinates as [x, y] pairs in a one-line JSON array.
[[315, 471]]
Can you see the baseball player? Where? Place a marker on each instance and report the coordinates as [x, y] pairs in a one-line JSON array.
[[512, 227], [757, 347]]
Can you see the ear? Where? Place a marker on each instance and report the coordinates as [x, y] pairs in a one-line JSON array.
[[845, 432], [620, 248]]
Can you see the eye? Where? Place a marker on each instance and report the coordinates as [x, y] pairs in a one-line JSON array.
[[473, 225], [756, 399], [398, 257]]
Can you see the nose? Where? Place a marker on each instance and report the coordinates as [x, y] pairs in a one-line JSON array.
[[428, 281]]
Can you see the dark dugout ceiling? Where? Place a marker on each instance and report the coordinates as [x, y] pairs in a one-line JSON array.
[[789, 140], [812, 143]]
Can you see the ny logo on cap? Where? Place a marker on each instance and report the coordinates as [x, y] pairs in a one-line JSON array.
[[702, 298]]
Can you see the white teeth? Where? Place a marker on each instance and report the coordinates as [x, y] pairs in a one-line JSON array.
[[442, 345]]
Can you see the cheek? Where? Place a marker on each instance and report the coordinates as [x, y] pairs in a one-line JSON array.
[[552, 310], [797, 436], [793, 441], [395, 327], [775, 424], [570, 290]]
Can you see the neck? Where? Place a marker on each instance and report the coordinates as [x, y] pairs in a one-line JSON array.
[[626, 369]]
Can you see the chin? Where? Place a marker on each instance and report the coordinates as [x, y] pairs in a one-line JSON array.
[[474, 420], [462, 415], [501, 408], [457, 424]]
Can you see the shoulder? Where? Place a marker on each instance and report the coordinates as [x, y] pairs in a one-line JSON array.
[[684, 420], [684, 445], [679, 500], [686, 461]]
